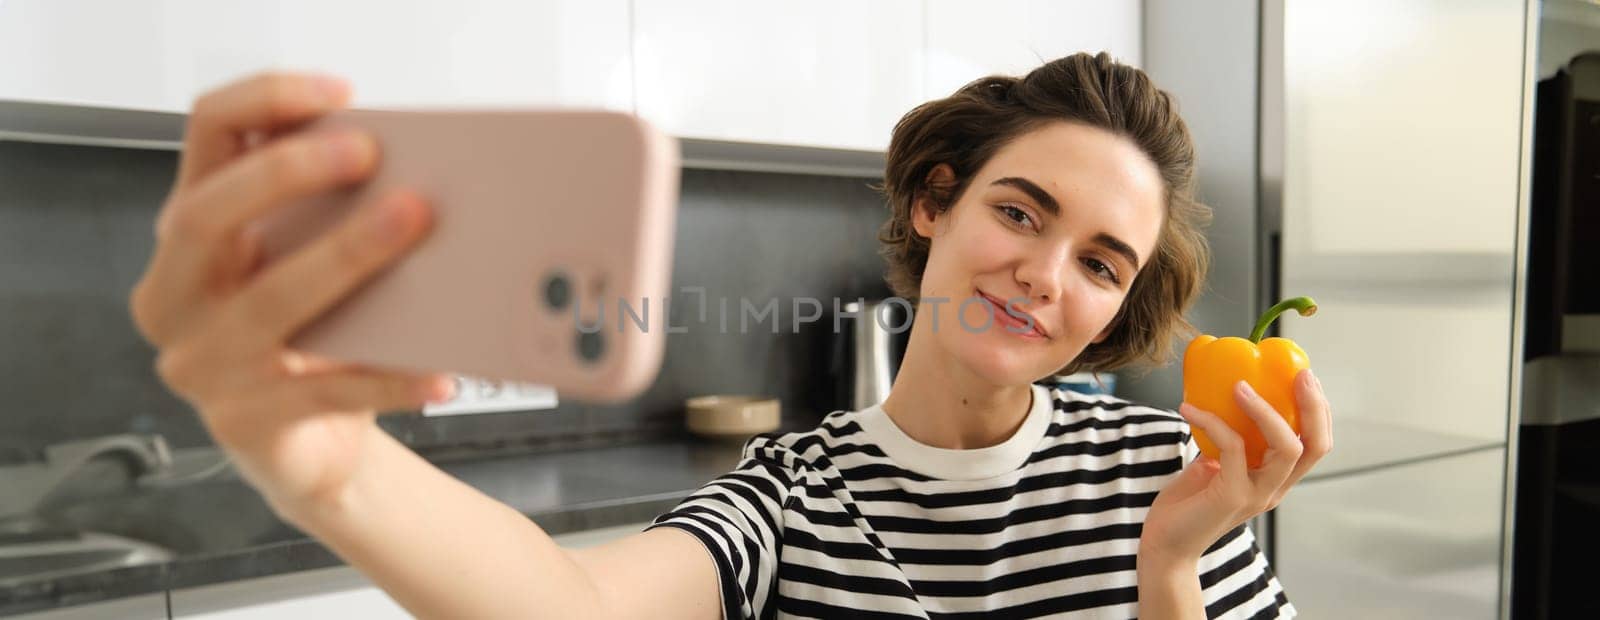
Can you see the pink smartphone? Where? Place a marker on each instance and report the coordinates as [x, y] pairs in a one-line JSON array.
[[549, 259]]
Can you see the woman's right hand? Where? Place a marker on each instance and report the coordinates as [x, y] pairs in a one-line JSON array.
[[296, 425]]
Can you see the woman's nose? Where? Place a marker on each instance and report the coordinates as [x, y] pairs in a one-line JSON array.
[[1043, 276]]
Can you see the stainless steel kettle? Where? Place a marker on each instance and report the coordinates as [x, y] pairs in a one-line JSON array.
[[874, 351]]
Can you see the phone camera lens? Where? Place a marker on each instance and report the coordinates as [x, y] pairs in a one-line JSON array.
[[591, 346], [557, 291]]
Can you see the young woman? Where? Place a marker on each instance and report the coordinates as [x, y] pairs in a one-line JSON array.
[[973, 489]]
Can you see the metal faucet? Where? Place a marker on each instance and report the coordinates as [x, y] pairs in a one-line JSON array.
[[23, 488]]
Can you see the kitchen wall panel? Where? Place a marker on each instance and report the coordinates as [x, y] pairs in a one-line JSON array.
[[1205, 54], [75, 232]]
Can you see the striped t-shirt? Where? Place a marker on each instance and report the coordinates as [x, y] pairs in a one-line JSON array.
[[856, 519]]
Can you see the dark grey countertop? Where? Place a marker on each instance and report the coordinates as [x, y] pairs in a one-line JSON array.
[[223, 531], [237, 537]]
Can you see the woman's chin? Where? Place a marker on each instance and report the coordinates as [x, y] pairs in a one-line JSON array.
[[994, 362]]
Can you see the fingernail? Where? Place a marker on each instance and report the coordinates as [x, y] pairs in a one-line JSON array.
[[350, 151], [439, 389], [1314, 380], [1245, 389], [394, 218], [333, 90]]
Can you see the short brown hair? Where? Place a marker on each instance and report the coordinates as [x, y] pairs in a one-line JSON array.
[[967, 128]]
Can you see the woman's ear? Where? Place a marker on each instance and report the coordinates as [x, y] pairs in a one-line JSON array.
[[923, 211]]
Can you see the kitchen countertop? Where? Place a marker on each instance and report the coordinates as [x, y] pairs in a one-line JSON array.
[[566, 491], [236, 536]]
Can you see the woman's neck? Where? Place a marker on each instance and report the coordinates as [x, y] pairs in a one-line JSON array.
[[938, 403]]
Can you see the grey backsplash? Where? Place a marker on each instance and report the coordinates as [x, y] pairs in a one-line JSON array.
[[75, 233]]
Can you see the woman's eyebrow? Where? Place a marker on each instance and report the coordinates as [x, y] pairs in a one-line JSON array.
[[1050, 205], [1034, 191], [1117, 245]]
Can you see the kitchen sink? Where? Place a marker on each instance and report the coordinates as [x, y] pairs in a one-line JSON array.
[[136, 527], [30, 553], [189, 520]]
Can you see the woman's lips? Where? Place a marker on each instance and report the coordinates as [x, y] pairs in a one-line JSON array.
[[1011, 324]]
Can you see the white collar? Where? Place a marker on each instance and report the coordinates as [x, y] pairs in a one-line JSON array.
[[948, 464]]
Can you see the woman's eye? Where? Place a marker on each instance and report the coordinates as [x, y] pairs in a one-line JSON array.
[[1013, 214], [1102, 270]]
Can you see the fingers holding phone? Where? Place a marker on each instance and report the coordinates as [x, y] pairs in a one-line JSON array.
[[229, 120], [298, 288], [285, 206], [220, 319], [201, 249]]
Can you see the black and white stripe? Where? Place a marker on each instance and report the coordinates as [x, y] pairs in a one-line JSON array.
[[830, 523]]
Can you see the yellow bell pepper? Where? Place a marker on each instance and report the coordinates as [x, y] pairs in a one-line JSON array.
[[1212, 367]]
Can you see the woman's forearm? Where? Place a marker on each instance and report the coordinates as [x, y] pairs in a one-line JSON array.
[[1169, 589], [441, 548]]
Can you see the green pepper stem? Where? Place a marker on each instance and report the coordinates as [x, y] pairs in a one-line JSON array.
[[1304, 305]]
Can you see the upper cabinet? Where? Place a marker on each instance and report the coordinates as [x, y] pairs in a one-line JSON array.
[[160, 54], [968, 40], [829, 73], [465, 52], [84, 52]]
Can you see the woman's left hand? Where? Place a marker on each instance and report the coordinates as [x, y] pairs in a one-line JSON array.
[[1213, 496]]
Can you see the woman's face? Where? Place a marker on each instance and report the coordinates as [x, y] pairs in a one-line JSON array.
[[1058, 222]]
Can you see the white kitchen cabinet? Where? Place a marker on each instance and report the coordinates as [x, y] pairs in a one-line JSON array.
[[477, 52], [160, 54], [143, 607], [93, 52], [828, 73], [968, 40], [339, 592]]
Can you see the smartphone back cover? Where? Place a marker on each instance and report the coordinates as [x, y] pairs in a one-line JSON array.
[[521, 199]]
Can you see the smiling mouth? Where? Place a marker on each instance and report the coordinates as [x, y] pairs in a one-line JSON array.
[[1002, 315]]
